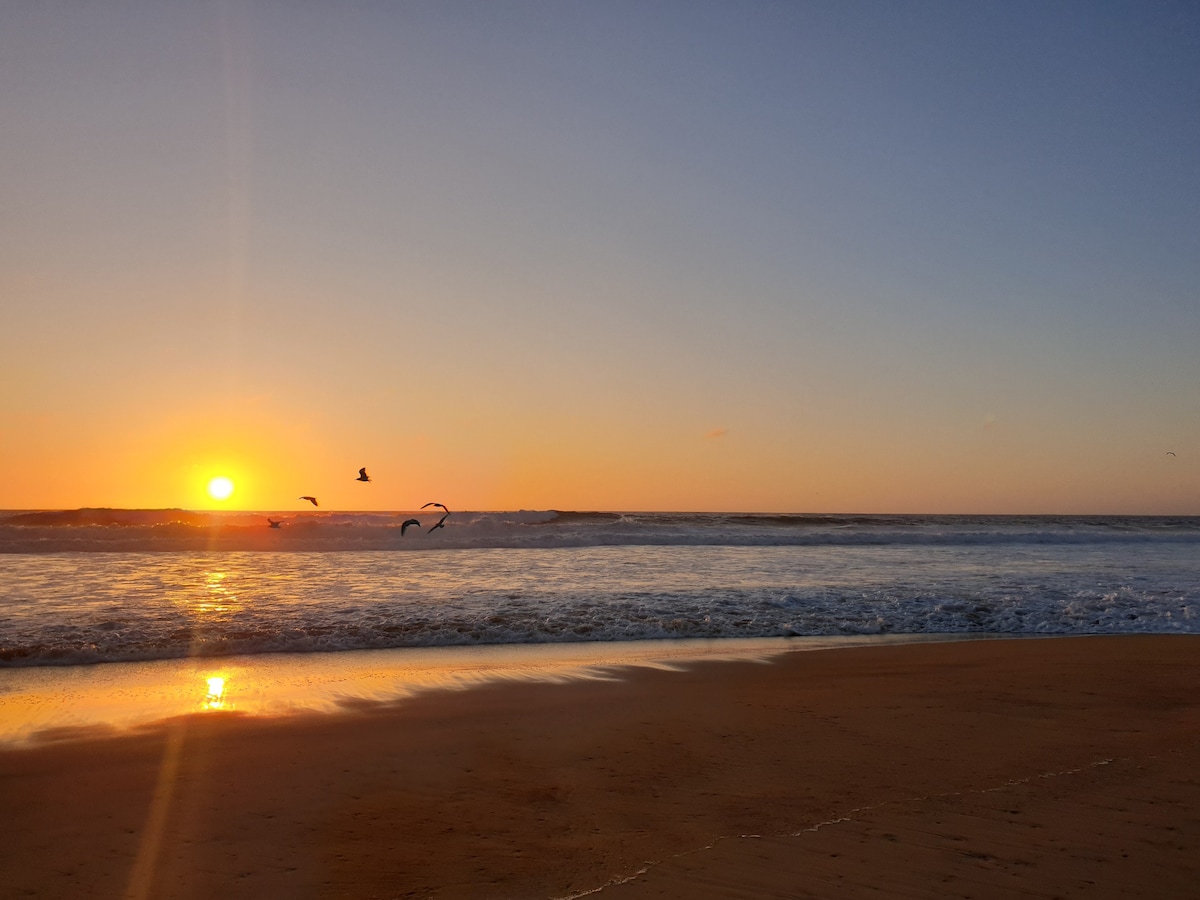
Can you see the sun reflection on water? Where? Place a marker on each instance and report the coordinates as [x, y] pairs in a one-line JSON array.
[[219, 596]]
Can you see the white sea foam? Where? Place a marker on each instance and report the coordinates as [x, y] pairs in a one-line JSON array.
[[1089, 576]]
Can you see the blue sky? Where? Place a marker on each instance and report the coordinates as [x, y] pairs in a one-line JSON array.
[[851, 256]]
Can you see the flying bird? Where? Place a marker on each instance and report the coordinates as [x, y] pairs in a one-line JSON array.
[[273, 523], [362, 475], [441, 522], [404, 525], [1171, 453], [431, 503], [312, 500]]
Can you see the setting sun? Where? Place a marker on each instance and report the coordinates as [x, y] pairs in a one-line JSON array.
[[220, 488]]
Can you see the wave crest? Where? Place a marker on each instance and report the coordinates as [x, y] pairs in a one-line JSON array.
[[134, 530]]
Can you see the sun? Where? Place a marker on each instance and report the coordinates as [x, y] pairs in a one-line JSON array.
[[220, 488]]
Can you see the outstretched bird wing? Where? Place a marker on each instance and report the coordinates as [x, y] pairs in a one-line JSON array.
[[406, 523], [432, 503], [312, 500], [362, 474], [441, 523]]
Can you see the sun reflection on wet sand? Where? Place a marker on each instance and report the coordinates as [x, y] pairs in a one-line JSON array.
[[40, 703], [215, 698]]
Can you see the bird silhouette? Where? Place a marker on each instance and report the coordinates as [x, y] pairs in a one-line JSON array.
[[431, 503], [362, 475], [441, 523], [1170, 453], [404, 525], [312, 500], [273, 523]]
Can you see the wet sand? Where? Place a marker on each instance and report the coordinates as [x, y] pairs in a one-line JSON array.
[[1031, 768]]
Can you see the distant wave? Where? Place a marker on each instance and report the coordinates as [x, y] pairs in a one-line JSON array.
[[75, 518], [159, 530]]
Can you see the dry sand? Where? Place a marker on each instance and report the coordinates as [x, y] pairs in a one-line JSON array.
[[1019, 768]]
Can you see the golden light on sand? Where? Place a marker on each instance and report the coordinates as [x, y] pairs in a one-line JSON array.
[[220, 488]]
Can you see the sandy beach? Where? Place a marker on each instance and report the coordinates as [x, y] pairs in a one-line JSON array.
[[1034, 768]]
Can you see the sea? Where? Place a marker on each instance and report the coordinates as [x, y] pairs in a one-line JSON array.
[[94, 586]]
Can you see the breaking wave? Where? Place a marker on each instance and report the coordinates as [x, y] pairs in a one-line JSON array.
[[117, 530]]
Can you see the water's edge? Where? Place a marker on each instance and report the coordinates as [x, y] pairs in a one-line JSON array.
[[54, 704]]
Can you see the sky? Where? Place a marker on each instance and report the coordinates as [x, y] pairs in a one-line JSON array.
[[763, 256]]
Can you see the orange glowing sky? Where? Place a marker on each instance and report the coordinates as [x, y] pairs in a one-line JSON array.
[[601, 256]]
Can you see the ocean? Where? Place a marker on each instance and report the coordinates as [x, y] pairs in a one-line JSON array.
[[82, 587]]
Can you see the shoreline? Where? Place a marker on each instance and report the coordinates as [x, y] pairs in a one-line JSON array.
[[57, 703], [983, 767]]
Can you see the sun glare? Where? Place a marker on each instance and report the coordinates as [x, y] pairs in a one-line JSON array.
[[220, 488]]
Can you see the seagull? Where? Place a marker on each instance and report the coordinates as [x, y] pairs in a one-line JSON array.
[[273, 523], [404, 525], [441, 522], [431, 503], [362, 475], [312, 500], [1171, 453]]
